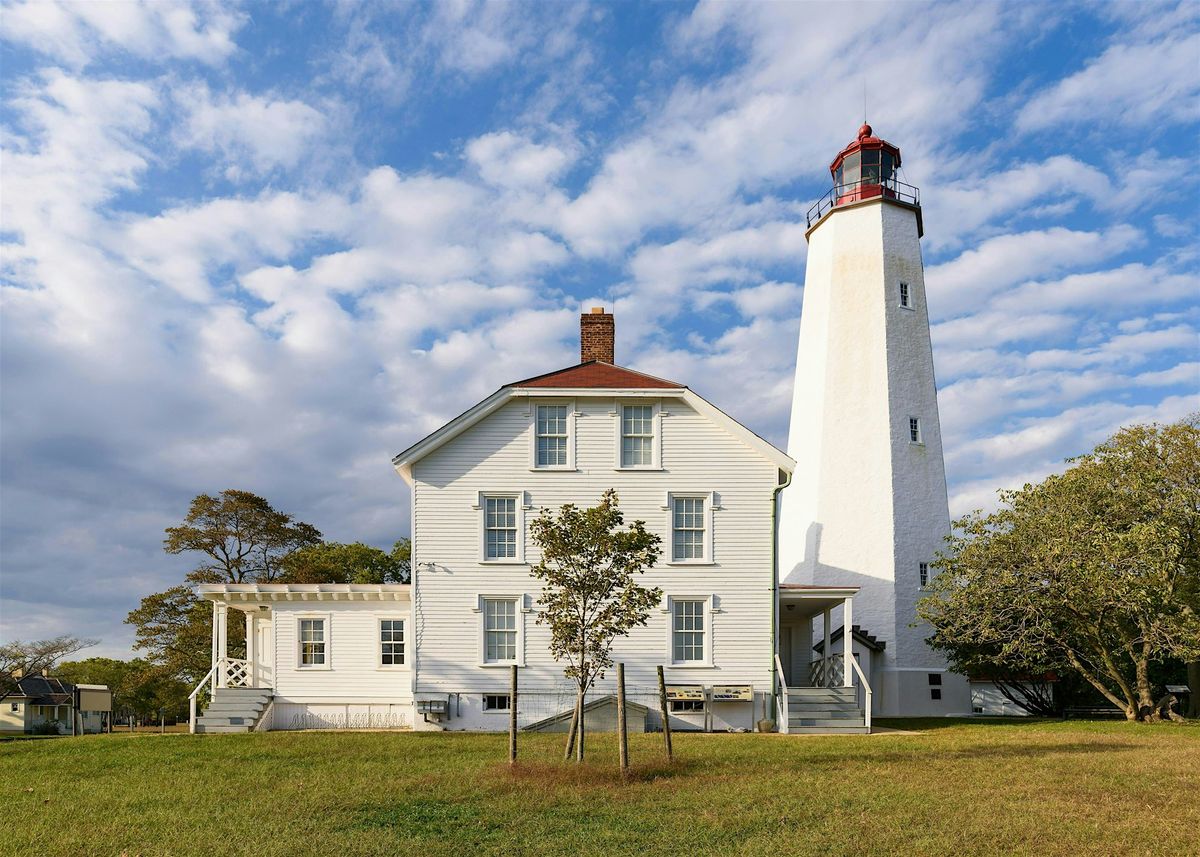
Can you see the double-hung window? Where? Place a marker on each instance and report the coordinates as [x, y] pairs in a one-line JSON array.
[[500, 630], [313, 643], [688, 536], [637, 436], [391, 642], [551, 436], [688, 631], [914, 430], [923, 573], [905, 296], [500, 527]]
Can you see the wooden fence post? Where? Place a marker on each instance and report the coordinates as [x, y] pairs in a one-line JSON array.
[[666, 715], [512, 718], [623, 732]]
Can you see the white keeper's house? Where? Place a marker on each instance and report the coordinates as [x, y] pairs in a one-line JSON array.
[[767, 557]]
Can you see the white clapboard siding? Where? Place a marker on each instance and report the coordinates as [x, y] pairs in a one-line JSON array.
[[698, 455], [354, 672]]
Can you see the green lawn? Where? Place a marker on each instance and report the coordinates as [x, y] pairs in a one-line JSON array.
[[956, 787]]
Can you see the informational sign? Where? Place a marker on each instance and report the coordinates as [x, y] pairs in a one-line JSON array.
[[689, 692], [1178, 688], [733, 693]]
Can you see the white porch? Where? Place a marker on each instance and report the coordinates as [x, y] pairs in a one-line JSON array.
[[818, 693], [243, 682]]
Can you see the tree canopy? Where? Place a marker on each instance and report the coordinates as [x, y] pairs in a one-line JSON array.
[[331, 562], [243, 538], [590, 595], [1095, 570]]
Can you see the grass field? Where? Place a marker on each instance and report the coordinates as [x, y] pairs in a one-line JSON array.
[[1005, 787]]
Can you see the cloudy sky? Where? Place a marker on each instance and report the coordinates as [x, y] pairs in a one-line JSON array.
[[266, 246]]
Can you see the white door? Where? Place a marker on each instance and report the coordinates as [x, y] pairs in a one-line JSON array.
[[264, 652]]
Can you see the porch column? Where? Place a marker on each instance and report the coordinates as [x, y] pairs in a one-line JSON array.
[[212, 684], [222, 644], [250, 648], [826, 651], [847, 642]]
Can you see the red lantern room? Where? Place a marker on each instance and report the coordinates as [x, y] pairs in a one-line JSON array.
[[864, 169]]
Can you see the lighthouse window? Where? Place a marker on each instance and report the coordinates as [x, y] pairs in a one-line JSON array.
[[923, 573], [914, 429], [885, 164], [850, 167], [905, 299], [870, 166]]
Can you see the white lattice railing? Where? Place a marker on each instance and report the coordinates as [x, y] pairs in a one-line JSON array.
[[826, 672], [235, 672]]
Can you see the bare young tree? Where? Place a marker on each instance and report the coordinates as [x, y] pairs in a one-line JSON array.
[[21, 659], [588, 568]]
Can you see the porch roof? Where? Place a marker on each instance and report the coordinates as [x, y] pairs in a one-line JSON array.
[[803, 599], [232, 593]]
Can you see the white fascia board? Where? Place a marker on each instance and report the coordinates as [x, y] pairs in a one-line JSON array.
[[405, 460], [768, 450], [319, 591]]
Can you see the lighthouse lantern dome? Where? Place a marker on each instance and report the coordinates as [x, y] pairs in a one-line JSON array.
[[865, 167]]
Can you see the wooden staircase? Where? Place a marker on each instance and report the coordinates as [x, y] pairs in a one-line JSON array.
[[235, 709]]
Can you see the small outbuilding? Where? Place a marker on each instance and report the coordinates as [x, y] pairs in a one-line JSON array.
[[599, 715]]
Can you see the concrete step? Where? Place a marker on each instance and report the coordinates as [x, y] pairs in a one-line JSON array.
[[222, 720], [824, 721], [826, 713], [222, 706], [827, 730], [214, 729], [821, 692], [240, 692]]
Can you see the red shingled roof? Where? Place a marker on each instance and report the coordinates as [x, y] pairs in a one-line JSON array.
[[597, 374]]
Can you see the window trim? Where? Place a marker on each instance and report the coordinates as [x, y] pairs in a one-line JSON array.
[[710, 609], [908, 430], [522, 504], [569, 404], [380, 618], [522, 608], [656, 421], [507, 709], [710, 506], [905, 296], [327, 618], [922, 574]]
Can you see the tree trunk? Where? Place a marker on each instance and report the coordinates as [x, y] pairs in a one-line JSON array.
[[571, 734], [1193, 674], [581, 731], [1146, 707], [1128, 706]]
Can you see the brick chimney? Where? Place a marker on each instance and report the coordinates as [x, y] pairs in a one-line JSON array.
[[597, 332]]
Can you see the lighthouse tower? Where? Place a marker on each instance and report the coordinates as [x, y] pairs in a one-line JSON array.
[[867, 504]]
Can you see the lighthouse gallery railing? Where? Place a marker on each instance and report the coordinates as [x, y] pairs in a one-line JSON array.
[[844, 194]]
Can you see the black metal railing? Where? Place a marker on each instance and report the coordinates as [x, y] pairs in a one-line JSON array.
[[844, 194]]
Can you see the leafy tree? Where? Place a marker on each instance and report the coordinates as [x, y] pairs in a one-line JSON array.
[[589, 592], [1096, 570], [174, 628], [244, 538], [21, 659], [138, 687], [332, 562]]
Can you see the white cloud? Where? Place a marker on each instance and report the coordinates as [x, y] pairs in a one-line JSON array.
[[1147, 84], [251, 133], [77, 33], [508, 160]]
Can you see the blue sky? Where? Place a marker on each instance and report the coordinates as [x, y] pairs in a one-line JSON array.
[[266, 246]]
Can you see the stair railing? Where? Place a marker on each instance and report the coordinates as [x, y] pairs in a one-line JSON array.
[[781, 701], [866, 686], [192, 699]]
